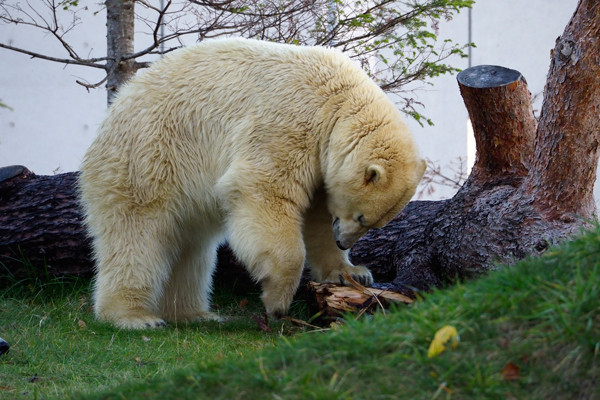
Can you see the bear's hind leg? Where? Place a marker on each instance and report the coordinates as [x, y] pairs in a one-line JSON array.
[[187, 292], [133, 264]]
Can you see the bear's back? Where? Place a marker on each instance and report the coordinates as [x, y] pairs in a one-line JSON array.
[[201, 107]]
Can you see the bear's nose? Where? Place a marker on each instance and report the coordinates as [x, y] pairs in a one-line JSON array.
[[340, 245]]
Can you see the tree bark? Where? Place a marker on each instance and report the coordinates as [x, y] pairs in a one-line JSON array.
[[531, 185], [42, 231], [41, 225], [120, 19], [569, 129]]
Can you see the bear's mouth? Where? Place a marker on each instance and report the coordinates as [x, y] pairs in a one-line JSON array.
[[342, 240]]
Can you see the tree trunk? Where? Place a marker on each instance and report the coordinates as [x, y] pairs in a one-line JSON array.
[[120, 18], [569, 129], [530, 186]]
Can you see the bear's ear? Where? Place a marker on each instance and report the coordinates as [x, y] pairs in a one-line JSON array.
[[374, 174]]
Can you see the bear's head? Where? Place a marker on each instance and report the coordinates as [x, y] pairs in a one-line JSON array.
[[372, 172]]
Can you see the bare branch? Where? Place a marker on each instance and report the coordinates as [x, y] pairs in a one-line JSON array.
[[87, 63], [365, 30], [34, 17], [89, 86]]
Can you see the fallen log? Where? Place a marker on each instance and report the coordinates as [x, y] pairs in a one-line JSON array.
[[42, 232], [41, 225]]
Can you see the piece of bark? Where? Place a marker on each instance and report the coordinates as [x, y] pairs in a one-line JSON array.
[[333, 300]]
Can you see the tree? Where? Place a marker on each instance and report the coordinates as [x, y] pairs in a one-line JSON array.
[[395, 41]]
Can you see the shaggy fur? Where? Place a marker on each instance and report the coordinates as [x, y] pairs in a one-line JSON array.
[[264, 145]]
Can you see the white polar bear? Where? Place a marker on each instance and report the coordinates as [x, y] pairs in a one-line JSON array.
[[284, 151]]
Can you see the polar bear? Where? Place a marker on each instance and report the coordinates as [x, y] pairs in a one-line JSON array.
[[290, 153]]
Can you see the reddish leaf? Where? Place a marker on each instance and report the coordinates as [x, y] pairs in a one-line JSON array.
[[263, 323], [511, 371]]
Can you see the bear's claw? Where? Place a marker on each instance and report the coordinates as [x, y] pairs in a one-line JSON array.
[[157, 324], [139, 323], [359, 273], [362, 279]]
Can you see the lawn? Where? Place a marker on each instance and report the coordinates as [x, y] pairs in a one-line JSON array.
[[531, 331], [58, 348]]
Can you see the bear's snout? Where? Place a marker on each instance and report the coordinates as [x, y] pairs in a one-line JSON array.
[[336, 234]]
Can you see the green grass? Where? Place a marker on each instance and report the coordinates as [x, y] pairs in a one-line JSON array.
[[541, 316], [57, 347]]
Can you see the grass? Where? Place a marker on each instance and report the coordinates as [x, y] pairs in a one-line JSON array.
[[58, 348], [531, 331]]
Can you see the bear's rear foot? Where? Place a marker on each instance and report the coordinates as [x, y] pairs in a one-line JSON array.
[[132, 320], [148, 322], [198, 316]]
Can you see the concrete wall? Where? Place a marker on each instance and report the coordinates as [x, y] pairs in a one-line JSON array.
[[54, 119]]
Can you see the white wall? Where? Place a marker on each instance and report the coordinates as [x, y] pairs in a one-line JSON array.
[[54, 119], [517, 34]]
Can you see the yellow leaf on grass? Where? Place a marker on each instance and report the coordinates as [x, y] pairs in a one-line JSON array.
[[446, 334]]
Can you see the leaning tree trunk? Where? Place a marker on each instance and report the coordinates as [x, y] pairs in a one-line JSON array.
[[569, 129], [531, 186]]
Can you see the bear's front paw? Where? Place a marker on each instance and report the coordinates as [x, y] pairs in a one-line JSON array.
[[359, 273], [277, 295]]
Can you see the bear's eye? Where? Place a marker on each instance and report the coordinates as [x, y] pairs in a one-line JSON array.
[[361, 220]]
